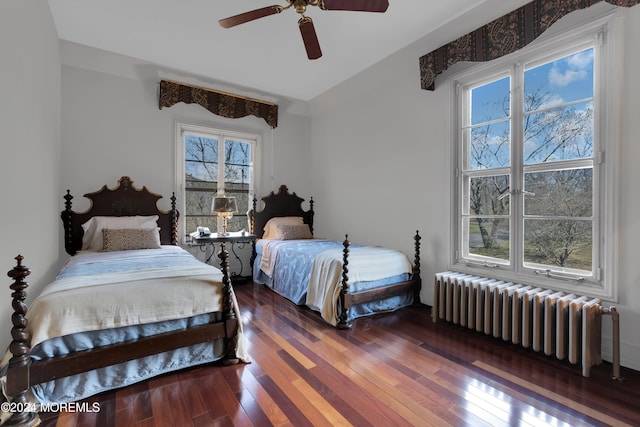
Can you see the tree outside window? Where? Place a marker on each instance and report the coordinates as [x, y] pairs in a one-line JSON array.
[[527, 166], [217, 162]]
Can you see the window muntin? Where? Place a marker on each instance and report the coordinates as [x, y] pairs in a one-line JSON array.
[[530, 170]]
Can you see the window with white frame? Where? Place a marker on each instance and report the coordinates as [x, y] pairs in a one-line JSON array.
[[214, 162], [536, 148]]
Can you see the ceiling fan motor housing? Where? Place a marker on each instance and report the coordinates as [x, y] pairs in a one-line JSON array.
[[299, 5]]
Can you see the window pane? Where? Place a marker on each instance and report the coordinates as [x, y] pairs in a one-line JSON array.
[[490, 102], [238, 175], [488, 237], [198, 209], [558, 243], [559, 82], [201, 173], [560, 193], [201, 155], [237, 162], [488, 230], [487, 195], [563, 133], [490, 146]]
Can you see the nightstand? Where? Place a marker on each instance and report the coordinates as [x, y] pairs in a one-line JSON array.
[[236, 238]]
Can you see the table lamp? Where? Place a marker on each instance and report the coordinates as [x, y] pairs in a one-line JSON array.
[[224, 207]]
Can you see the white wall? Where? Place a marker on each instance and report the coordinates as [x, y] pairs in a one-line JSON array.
[[30, 146], [629, 232], [381, 169], [112, 126]]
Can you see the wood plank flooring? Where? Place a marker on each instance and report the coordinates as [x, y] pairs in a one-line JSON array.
[[393, 369]]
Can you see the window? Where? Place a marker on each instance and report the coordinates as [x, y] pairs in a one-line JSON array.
[[211, 162], [535, 159]]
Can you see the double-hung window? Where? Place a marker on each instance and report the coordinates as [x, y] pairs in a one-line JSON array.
[[535, 152], [214, 162]]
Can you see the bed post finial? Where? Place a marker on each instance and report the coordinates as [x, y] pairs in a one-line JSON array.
[[416, 268], [174, 220], [66, 222], [342, 318], [252, 216], [416, 261], [68, 197], [17, 373], [311, 214]]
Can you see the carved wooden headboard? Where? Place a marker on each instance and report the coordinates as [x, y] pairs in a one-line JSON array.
[[278, 205], [123, 200]]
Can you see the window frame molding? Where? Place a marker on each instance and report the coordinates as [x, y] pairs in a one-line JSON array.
[[606, 151], [255, 139]]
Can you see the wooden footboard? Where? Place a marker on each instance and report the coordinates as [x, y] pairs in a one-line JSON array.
[[348, 299], [23, 372]]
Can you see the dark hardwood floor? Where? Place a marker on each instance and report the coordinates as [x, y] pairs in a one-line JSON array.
[[389, 370]]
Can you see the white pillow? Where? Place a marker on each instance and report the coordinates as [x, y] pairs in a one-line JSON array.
[[92, 238], [271, 227]]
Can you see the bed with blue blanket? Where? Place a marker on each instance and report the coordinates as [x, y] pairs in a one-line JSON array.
[[339, 280], [127, 306]]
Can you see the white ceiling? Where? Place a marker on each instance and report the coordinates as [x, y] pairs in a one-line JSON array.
[[266, 55]]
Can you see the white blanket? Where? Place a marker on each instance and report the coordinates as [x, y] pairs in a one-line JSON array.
[[365, 264], [101, 301], [111, 300], [269, 251]]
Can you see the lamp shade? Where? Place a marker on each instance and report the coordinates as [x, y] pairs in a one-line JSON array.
[[224, 204]]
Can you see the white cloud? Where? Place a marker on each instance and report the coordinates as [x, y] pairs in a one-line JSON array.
[[554, 99], [576, 70], [558, 78], [581, 60]]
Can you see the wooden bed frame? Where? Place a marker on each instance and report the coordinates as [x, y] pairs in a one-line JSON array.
[[124, 200], [285, 204]]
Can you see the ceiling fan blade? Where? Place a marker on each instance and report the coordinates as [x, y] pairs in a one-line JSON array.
[[355, 5], [232, 21], [310, 38]]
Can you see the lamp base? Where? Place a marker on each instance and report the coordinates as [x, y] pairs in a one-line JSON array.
[[224, 227]]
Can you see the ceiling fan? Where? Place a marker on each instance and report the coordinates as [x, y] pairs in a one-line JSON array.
[[305, 23]]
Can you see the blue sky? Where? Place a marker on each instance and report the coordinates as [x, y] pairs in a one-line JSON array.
[[559, 83], [565, 80]]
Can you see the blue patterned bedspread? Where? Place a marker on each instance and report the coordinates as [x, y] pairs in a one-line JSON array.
[[293, 266], [292, 269]]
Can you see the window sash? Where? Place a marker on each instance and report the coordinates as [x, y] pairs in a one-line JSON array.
[[516, 171], [242, 188]]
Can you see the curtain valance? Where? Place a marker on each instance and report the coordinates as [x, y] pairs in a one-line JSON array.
[[505, 35], [219, 103]]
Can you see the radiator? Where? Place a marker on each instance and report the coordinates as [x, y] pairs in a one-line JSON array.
[[565, 326]]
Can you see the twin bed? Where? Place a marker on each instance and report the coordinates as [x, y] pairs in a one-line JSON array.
[[130, 304], [339, 280]]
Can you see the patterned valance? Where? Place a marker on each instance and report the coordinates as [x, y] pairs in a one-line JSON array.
[[219, 103], [505, 35]]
